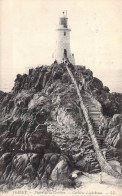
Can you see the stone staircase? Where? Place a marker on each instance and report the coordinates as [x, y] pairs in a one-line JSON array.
[[88, 106], [94, 114]]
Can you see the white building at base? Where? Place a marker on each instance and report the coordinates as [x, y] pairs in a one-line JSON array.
[[63, 51]]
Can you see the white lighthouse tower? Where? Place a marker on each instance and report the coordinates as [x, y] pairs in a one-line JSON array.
[[63, 51]]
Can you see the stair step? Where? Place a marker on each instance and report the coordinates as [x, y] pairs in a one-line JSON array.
[[95, 171], [100, 136], [92, 110], [97, 123], [108, 156], [92, 107], [95, 118], [109, 159], [93, 113], [96, 131], [100, 140], [86, 98], [90, 104], [101, 145], [96, 127], [93, 161]]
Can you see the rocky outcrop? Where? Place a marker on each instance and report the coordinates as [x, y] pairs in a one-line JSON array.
[[43, 130], [30, 156], [34, 170], [110, 101], [113, 132], [111, 128]]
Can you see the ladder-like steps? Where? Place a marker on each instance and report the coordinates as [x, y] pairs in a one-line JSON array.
[[102, 162], [95, 171], [94, 114], [108, 156]]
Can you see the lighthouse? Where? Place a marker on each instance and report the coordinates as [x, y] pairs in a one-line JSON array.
[[63, 51]]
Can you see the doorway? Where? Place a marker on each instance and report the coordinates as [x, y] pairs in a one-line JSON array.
[[65, 53]]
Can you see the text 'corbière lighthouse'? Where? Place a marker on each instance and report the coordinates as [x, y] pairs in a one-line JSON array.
[[63, 51]]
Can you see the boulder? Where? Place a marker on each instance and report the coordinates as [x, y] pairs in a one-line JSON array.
[[88, 72], [4, 161], [115, 120], [42, 116], [116, 166], [114, 136], [106, 89], [39, 140], [96, 83]]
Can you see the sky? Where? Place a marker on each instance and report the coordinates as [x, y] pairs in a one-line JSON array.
[[28, 36]]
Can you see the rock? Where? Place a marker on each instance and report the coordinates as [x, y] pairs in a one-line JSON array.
[[85, 163], [114, 136], [115, 120], [14, 126], [61, 171], [96, 83], [116, 166], [43, 132], [88, 72], [2, 95], [54, 169], [42, 116], [110, 103], [76, 173], [27, 165], [39, 139], [20, 162], [105, 88], [66, 78], [4, 162]]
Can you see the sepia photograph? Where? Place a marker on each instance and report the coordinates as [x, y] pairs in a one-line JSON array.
[[61, 97]]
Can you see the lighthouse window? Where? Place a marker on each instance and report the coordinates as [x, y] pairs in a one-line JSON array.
[[64, 33]]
